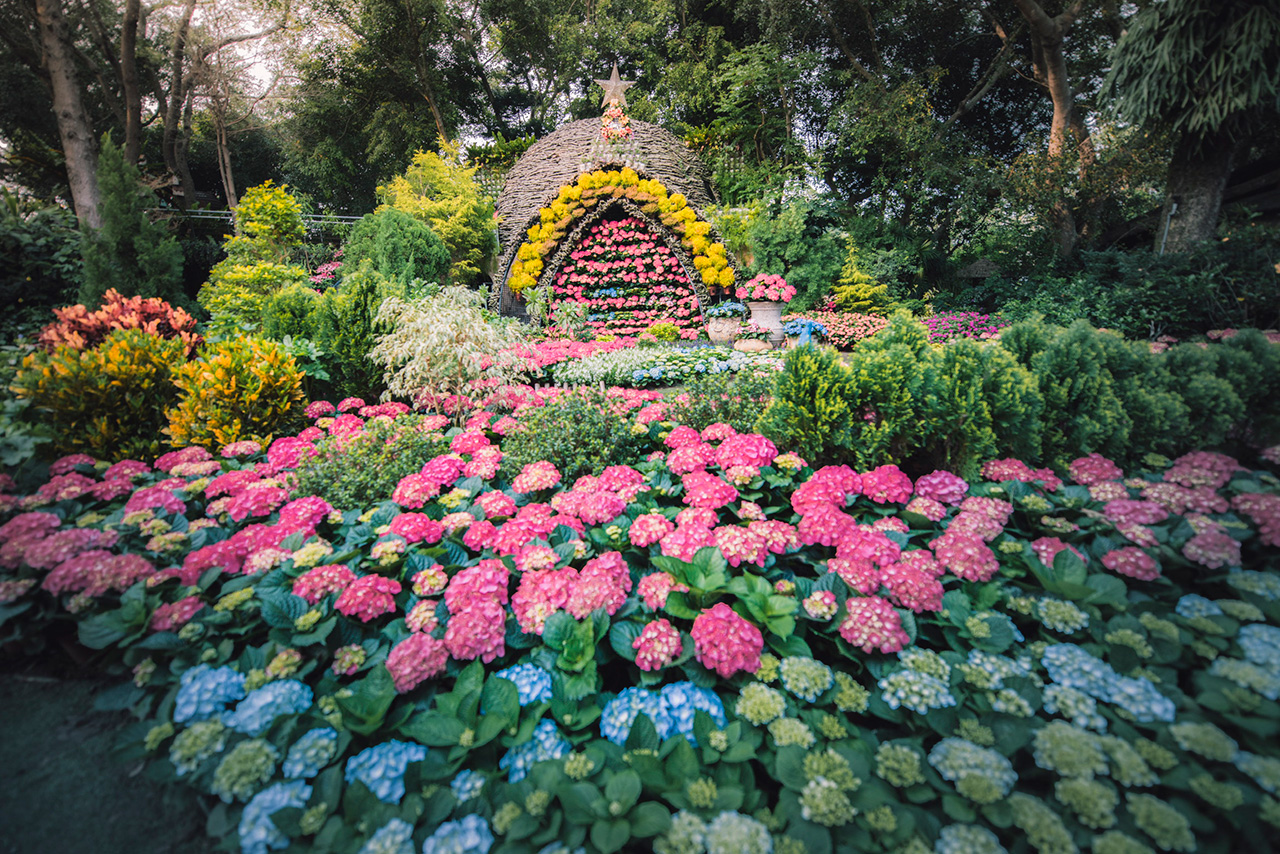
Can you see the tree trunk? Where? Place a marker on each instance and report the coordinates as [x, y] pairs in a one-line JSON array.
[[1197, 178], [129, 81], [173, 143], [74, 128]]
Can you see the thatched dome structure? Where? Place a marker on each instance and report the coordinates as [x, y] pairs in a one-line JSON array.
[[558, 159]]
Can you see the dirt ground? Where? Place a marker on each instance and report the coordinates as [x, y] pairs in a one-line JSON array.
[[63, 789]]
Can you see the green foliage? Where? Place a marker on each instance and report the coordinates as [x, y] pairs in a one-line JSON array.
[[735, 399], [348, 330], [245, 388], [108, 401], [580, 432], [857, 291], [401, 248], [442, 193], [811, 409], [292, 311], [268, 224], [1161, 419], [791, 240], [129, 253], [40, 263], [436, 346], [363, 471]]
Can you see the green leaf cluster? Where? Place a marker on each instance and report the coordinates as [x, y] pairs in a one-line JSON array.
[[401, 248]]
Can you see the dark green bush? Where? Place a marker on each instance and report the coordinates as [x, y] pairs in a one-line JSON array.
[[129, 253], [726, 398], [810, 412], [346, 331], [579, 432], [40, 265], [294, 311], [364, 471], [400, 247]]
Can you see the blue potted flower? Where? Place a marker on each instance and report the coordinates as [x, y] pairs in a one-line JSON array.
[[802, 330], [723, 320]]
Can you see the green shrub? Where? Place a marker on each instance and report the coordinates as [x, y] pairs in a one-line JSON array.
[[348, 328], [401, 248], [579, 432], [364, 471], [736, 399], [40, 262], [1013, 396], [1161, 420], [244, 388], [811, 410], [108, 401], [294, 311], [129, 253]]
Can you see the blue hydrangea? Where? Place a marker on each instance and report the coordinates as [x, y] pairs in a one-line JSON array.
[[622, 711], [1263, 584], [533, 683], [256, 712], [957, 758], [1246, 674], [998, 667], [1075, 705], [547, 743], [310, 753], [468, 835], [1072, 666], [382, 768], [466, 785], [257, 832], [205, 691], [1261, 645], [394, 837], [916, 691], [680, 700], [1194, 605]]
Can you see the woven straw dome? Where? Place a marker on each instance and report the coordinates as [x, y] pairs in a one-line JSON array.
[[558, 159]]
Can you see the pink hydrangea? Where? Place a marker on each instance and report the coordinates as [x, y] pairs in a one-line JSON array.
[[443, 470], [912, 587], [1133, 562], [422, 616], [318, 582], [126, 470], [66, 464], [429, 581], [654, 588], [96, 572], [368, 597], [929, 508], [189, 454], [695, 456], [621, 479], [110, 490], [350, 404], [457, 521], [821, 605], [1094, 468], [872, 625], [416, 528], [681, 436], [861, 543], [602, 507], [484, 464], [495, 504], [243, 448], [535, 556], [468, 442], [319, 409], [535, 477], [479, 631], [172, 616], [702, 489], [1202, 468], [600, 584], [480, 535], [36, 523], [414, 490], [657, 645], [778, 536], [717, 432], [48, 552], [288, 451], [824, 524], [648, 529], [1047, 548], [966, 556], [942, 486], [1125, 511], [1108, 490], [683, 543], [726, 643], [886, 484], [745, 449], [740, 545], [256, 501], [416, 659], [828, 485], [303, 514], [232, 482], [860, 575], [1212, 549], [540, 594], [697, 517], [1264, 509], [487, 581]]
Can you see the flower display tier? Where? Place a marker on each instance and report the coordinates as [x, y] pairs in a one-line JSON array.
[[629, 279]]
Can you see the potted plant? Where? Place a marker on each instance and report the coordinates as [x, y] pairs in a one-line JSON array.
[[753, 338], [765, 294], [723, 320], [802, 330]]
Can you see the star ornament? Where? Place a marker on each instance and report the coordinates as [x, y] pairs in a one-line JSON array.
[[615, 88]]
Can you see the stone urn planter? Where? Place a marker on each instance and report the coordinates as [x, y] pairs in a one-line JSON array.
[[751, 345], [722, 329], [769, 315]]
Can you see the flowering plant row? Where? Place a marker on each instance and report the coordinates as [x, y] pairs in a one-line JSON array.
[[628, 280], [962, 324], [844, 328], [659, 366], [771, 288], [600, 187], [717, 648]]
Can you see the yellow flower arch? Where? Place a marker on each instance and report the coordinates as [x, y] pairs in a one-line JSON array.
[[593, 188]]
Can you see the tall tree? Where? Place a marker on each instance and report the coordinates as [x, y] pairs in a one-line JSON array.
[[1209, 72]]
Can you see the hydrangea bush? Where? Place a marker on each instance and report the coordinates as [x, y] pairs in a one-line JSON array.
[[715, 648]]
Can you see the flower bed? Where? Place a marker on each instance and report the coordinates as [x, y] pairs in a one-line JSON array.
[[650, 367], [844, 328], [629, 280], [948, 326], [716, 648]]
